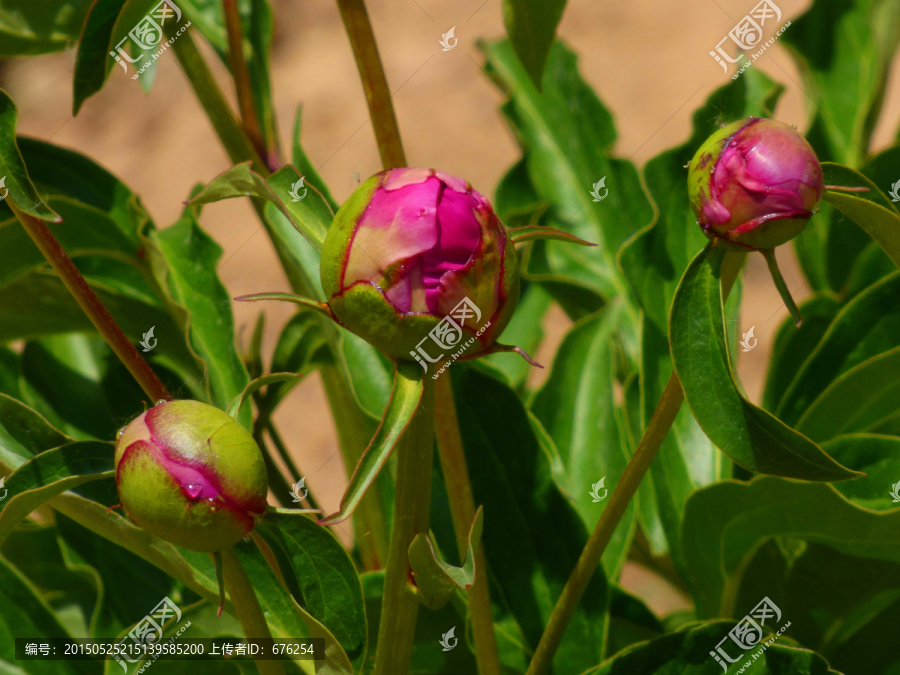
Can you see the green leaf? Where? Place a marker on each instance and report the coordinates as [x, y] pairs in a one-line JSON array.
[[845, 47], [185, 262], [752, 437], [532, 28], [862, 399], [577, 407], [300, 347], [532, 535], [567, 135], [526, 330], [38, 304], [320, 576], [309, 214], [23, 614], [436, 580], [794, 345], [92, 62], [535, 232], [304, 302], [405, 398], [24, 433], [285, 616], [726, 522], [50, 473], [15, 178], [253, 386], [866, 326], [870, 210], [688, 650], [28, 28], [876, 456]]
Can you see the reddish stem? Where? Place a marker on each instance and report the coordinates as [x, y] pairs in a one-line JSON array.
[[88, 301], [842, 188]]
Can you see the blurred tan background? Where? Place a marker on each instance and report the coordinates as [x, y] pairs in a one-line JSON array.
[[647, 60]]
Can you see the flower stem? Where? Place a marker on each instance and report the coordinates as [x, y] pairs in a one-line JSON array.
[[624, 491], [89, 302], [412, 502], [246, 604], [462, 509], [378, 96], [240, 73], [769, 255]]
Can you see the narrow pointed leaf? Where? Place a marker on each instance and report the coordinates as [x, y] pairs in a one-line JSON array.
[[535, 232], [872, 211], [235, 406], [532, 28], [752, 437], [49, 474], [302, 205], [12, 167], [405, 398], [436, 580], [320, 307]]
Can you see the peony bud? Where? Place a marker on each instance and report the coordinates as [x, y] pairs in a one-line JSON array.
[[753, 184], [189, 473], [406, 249]]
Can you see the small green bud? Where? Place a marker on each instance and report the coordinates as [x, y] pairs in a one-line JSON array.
[[190, 474]]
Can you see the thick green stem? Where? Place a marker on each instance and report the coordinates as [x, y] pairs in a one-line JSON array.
[[240, 73], [246, 604], [412, 502], [378, 96], [89, 302], [462, 510], [624, 491]]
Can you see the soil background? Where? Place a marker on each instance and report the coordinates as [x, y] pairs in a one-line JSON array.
[[647, 60]]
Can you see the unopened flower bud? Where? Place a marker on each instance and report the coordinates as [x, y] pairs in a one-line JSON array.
[[189, 473], [754, 184], [406, 249]]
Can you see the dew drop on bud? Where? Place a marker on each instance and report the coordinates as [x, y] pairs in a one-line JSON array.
[[750, 116], [161, 401], [193, 490], [793, 126], [120, 432], [686, 165]]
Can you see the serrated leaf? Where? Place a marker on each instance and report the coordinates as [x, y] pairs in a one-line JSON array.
[[752, 437], [436, 580]]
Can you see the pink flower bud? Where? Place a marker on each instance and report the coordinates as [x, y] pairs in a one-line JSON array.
[[406, 248], [754, 184], [189, 473]]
